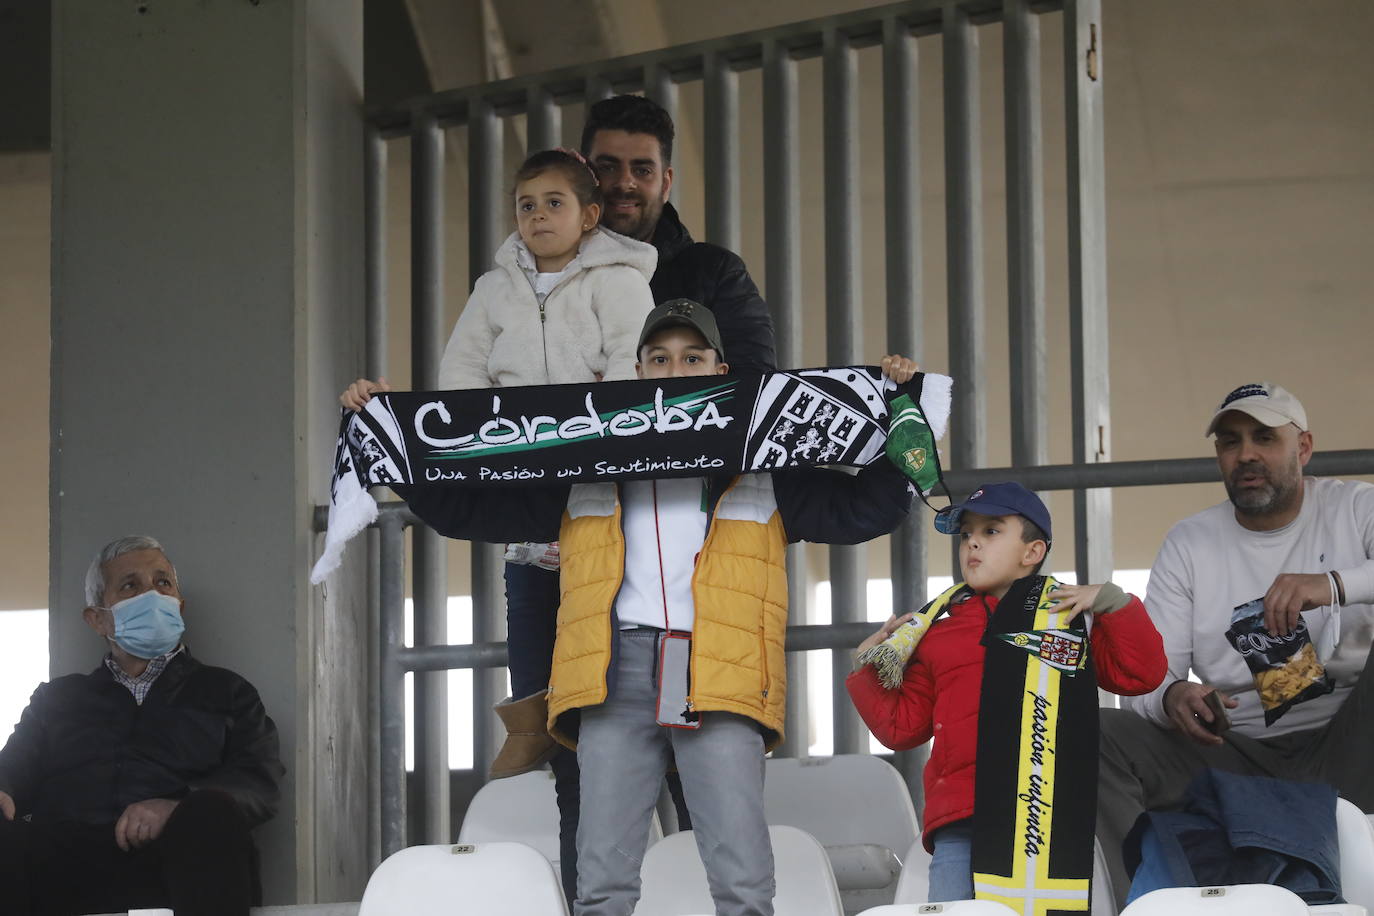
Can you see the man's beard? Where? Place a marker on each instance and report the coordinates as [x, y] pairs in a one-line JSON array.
[[639, 225], [1277, 494]]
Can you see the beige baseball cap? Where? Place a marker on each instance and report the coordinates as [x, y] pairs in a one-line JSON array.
[[1266, 402]]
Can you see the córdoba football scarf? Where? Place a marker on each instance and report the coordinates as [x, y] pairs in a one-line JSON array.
[[677, 427]]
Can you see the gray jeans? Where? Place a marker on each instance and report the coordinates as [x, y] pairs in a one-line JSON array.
[[1144, 767], [624, 753]]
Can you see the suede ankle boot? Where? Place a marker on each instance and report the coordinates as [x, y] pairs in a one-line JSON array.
[[528, 744]]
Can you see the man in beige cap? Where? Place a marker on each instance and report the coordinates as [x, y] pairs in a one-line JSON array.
[[1300, 548]]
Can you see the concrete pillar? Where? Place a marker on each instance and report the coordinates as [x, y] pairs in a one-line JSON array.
[[207, 308]]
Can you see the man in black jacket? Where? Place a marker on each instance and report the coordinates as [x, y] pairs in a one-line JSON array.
[[137, 785], [629, 141]]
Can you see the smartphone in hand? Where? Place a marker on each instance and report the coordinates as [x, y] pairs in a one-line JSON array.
[[1220, 720]]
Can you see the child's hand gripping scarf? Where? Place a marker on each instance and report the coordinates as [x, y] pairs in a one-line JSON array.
[[1035, 783], [890, 657]]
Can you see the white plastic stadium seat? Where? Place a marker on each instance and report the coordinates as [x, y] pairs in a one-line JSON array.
[[1356, 837], [860, 810], [518, 809], [674, 880], [951, 908], [494, 879], [1337, 909], [914, 884], [1104, 901], [522, 809], [1238, 899]]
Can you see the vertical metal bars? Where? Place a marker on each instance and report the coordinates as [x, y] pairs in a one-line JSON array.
[[963, 240], [485, 181], [660, 86], [781, 199], [1092, 509], [902, 218], [426, 251], [722, 151], [430, 581], [902, 221], [597, 88], [374, 261], [782, 280], [374, 362], [1025, 233], [843, 335], [391, 702], [543, 121], [485, 233]]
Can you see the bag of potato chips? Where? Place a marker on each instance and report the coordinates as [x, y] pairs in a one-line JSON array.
[[1286, 668]]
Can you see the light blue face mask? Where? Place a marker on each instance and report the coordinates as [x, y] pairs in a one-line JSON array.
[[148, 625]]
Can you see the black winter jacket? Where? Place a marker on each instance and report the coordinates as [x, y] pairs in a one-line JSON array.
[[84, 750], [716, 278]]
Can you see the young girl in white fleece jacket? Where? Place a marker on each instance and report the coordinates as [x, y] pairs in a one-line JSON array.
[[564, 304], [566, 298]]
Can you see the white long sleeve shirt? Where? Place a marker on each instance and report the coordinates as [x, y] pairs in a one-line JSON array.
[[1209, 565], [665, 527]]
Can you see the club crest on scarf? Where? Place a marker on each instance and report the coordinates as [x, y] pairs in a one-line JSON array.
[[1058, 648], [821, 415]]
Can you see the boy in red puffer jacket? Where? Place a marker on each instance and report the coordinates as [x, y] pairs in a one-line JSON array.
[[1004, 534]]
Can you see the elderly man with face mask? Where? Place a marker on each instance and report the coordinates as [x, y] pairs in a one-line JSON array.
[[136, 785], [1285, 550]]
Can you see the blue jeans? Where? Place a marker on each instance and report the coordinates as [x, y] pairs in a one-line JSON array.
[[951, 865], [1237, 829]]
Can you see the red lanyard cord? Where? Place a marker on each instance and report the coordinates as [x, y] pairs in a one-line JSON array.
[[658, 539]]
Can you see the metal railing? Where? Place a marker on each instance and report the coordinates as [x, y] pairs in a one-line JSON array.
[[893, 30]]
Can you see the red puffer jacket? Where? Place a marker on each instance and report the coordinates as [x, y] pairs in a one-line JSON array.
[[1128, 655]]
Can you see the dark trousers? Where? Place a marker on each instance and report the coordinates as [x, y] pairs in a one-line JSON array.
[[532, 599], [203, 864], [1144, 767]]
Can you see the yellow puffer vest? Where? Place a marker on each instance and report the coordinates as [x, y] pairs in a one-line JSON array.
[[739, 589]]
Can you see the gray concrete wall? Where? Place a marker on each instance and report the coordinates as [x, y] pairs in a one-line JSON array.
[[333, 805], [206, 204], [25, 189]]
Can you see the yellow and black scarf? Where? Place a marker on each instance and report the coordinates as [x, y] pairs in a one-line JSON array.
[[1035, 793]]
